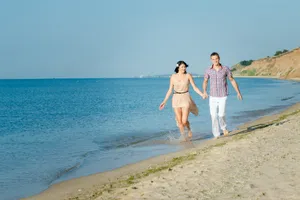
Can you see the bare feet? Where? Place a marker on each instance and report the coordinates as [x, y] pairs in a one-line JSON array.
[[226, 132], [182, 138], [190, 134], [215, 138]]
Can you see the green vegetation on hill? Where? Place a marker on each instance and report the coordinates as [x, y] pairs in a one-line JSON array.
[[248, 72], [238, 67], [246, 62], [277, 53]]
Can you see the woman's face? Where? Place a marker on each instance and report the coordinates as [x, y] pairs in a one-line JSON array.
[[182, 68]]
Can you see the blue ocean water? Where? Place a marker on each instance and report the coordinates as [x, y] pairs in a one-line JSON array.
[[56, 129]]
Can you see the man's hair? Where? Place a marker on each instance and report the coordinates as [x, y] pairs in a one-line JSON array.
[[215, 54]]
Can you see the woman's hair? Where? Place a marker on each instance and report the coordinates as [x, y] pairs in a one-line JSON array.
[[178, 64]]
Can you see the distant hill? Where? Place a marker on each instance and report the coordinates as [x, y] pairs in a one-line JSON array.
[[284, 65]]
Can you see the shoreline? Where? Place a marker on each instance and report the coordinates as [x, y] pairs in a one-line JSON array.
[[90, 187], [267, 77]]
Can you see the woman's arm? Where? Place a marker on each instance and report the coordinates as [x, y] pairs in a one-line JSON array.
[[194, 85], [169, 92]]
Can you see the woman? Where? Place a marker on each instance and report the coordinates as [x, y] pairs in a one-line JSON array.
[[182, 102]]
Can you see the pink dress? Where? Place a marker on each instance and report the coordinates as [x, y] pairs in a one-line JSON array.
[[181, 97]]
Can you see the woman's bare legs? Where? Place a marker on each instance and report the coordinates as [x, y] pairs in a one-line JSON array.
[[178, 114], [185, 121], [190, 134], [182, 115]]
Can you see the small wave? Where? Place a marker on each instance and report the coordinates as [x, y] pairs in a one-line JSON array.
[[287, 98], [71, 168], [133, 140], [84, 155], [171, 137], [259, 112], [175, 139], [170, 140], [202, 137], [64, 171]]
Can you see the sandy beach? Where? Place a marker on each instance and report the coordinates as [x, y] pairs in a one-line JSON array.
[[260, 160]]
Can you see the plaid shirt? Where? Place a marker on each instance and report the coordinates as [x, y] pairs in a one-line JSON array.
[[218, 81]]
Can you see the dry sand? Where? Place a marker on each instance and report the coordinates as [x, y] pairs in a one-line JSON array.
[[261, 160]]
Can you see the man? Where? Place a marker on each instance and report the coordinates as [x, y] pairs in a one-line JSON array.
[[218, 75]]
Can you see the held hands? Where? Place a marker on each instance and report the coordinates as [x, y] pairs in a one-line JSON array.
[[204, 96]]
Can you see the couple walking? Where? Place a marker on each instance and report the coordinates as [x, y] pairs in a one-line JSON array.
[[183, 104]]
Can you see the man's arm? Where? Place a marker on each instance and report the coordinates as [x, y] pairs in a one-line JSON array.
[[233, 83], [236, 87], [204, 85]]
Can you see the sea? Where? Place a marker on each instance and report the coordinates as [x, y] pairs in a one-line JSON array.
[[53, 130]]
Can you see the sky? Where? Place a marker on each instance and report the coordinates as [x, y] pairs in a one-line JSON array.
[[127, 38]]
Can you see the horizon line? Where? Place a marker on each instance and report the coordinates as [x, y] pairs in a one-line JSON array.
[[140, 76]]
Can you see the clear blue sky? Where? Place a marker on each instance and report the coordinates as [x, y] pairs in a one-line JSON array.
[[125, 38]]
